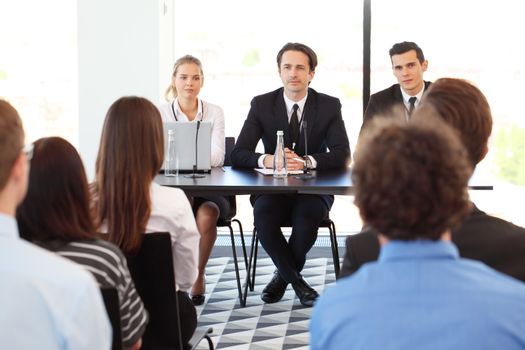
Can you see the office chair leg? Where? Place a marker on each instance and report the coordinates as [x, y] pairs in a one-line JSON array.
[[243, 243], [210, 343], [248, 278], [252, 285], [335, 248], [237, 275]]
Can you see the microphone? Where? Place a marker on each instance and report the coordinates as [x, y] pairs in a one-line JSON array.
[[306, 172], [194, 175]]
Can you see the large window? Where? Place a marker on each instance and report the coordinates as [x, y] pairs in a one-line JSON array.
[[238, 41], [478, 42], [38, 65]]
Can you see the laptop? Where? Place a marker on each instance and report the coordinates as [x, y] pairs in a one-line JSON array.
[[185, 135]]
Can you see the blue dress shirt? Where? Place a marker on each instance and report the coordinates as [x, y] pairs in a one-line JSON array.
[[46, 302], [421, 295]]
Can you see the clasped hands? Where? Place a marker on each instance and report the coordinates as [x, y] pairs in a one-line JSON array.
[[293, 161]]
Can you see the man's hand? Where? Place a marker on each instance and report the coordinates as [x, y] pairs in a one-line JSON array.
[[268, 161], [293, 161]]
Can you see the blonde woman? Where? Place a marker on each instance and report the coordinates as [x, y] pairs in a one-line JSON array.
[[185, 106]]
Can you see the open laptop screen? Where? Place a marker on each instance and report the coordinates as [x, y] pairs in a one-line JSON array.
[[185, 136]]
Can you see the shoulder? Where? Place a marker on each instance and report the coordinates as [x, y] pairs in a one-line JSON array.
[[211, 107], [323, 99], [268, 98], [389, 92], [167, 199], [482, 223], [37, 264], [165, 111]]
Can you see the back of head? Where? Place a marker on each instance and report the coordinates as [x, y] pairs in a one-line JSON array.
[[56, 206], [405, 46], [464, 107], [11, 140], [411, 178], [312, 57], [130, 154]]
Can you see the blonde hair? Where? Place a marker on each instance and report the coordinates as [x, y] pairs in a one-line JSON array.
[[171, 93]]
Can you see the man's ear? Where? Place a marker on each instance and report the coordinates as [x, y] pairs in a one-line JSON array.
[[485, 151], [424, 65]]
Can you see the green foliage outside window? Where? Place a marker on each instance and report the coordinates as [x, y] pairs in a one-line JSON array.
[[510, 154]]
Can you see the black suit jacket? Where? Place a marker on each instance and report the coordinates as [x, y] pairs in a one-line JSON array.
[[325, 129], [383, 101], [493, 241]]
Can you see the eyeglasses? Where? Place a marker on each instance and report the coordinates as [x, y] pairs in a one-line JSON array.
[[28, 150]]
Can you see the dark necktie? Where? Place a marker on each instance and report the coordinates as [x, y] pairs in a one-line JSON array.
[[412, 101], [294, 126]]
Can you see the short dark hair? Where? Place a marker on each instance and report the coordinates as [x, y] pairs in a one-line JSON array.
[[56, 206], [312, 57], [405, 46], [464, 107], [11, 140], [411, 178]]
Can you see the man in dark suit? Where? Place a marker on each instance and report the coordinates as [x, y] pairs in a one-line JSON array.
[[494, 241], [286, 109], [408, 66]]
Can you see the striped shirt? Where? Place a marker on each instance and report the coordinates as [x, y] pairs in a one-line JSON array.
[[108, 265]]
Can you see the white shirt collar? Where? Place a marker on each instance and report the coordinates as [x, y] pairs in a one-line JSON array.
[[289, 105], [418, 96], [183, 117]]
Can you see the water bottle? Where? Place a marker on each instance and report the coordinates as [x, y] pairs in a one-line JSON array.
[[279, 157], [172, 161]]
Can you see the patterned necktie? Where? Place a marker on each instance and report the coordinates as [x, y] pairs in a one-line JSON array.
[[412, 101], [294, 126]]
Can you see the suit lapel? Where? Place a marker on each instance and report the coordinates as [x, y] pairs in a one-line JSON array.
[[310, 115], [281, 117]]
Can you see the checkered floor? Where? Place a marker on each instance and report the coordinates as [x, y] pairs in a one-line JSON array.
[[283, 325]]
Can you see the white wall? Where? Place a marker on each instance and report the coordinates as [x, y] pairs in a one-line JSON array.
[[118, 50]]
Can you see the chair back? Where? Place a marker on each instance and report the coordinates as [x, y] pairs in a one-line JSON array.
[[110, 297], [152, 272], [229, 143]]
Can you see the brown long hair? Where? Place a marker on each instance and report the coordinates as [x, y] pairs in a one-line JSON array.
[[56, 206], [130, 155]]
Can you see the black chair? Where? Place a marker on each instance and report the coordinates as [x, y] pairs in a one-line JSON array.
[[227, 222], [152, 271], [111, 301], [252, 262]]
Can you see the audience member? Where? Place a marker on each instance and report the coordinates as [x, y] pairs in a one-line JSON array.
[[47, 302], [185, 106], [129, 204], [411, 186], [55, 215], [286, 109], [494, 241], [408, 66]]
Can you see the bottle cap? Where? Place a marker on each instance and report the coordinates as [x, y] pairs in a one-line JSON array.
[[280, 132]]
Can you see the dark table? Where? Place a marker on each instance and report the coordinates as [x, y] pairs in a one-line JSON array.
[[228, 181]]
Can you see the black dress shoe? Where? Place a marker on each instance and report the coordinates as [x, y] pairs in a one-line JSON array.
[[306, 294], [274, 290], [198, 299]]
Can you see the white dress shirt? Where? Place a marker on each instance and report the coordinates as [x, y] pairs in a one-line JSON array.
[[47, 302], [213, 114], [171, 212], [289, 110], [406, 97]]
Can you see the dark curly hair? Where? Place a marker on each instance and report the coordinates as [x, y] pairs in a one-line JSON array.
[[411, 178]]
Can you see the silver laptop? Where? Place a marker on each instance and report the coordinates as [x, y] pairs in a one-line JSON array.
[[185, 136]]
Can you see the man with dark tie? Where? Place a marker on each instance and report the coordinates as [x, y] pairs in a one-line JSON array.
[[496, 242], [408, 66], [286, 109]]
